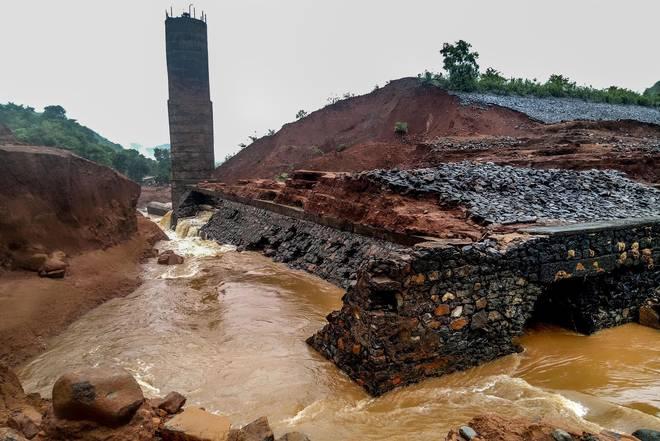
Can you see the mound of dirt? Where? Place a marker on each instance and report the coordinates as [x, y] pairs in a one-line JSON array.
[[357, 134], [51, 199], [370, 120]]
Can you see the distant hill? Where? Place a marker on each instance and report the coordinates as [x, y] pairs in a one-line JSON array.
[[52, 128]]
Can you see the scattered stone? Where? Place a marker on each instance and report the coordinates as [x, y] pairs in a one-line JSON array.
[[139, 428], [169, 257], [7, 434], [505, 194], [647, 435], [195, 424], [467, 432], [557, 109], [294, 436], [26, 422], [11, 391], [441, 310], [107, 396], [561, 435], [257, 430], [172, 402], [53, 268]]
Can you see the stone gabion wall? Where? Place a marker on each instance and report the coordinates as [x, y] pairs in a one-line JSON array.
[[444, 309], [430, 309], [330, 254]]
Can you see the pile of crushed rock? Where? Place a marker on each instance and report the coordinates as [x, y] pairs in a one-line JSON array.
[[506, 194], [553, 110]]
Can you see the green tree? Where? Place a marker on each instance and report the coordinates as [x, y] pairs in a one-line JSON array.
[[461, 65], [163, 167], [301, 114], [54, 112]]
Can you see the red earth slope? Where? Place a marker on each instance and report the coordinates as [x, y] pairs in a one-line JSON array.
[[369, 120]]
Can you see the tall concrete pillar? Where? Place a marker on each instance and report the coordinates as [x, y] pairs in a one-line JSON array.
[[189, 105]]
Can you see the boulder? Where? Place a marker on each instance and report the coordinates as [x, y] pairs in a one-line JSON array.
[[647, 435], [53, 267], [467, 432], [649, 315], [172, 402], [27, 421], [158, 208], [7, 434], [194, 424], [561, 435], [108, 396], [294, 436], [257, 430], [169, 257]]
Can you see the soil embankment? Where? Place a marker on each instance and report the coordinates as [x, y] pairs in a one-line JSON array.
[[63, 213], [358, 134], [51, 199]]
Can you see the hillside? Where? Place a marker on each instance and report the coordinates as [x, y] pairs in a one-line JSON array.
[[52, 128], [369, 119], [359, 134]]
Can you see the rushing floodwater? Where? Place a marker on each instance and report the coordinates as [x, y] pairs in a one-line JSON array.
[[227, 330]]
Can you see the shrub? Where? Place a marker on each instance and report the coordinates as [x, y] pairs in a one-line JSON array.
[[282, 177], [463, 74], [301, 114], [401, 128]]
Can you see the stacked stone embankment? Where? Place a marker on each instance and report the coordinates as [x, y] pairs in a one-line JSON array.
[[505, 194], [415, 311], [329, 253], [553, 109]]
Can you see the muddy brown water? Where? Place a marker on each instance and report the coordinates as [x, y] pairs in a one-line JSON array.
[[227, 329]]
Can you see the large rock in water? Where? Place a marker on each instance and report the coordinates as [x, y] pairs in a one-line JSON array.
[[103, 395], [54, 200]]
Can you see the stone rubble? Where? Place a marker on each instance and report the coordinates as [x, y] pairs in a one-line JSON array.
[[506, 194], [554, 109]]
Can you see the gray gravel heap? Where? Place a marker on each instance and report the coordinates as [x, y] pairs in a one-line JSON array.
[[552, 109], [505, 194]]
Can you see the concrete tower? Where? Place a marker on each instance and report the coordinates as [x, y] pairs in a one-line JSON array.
[[189, 105]]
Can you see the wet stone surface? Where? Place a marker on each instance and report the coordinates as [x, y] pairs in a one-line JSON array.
[[505, 194]]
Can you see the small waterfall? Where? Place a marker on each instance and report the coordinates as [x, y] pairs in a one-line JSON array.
[[189, 227], [165, 222]]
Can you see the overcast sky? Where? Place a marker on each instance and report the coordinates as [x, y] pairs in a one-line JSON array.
[[104, 61]]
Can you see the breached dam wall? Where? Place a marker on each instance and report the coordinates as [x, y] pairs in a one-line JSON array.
[[412, 312]]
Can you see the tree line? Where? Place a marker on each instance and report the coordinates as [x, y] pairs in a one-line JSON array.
[[462, 74], [52, 128]]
